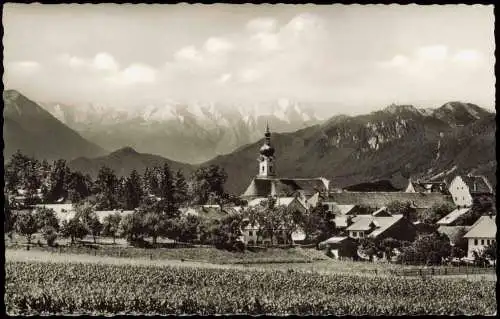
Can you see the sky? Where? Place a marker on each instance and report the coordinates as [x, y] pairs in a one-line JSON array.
[[347, 59]]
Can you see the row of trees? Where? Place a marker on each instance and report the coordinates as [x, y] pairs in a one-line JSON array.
[[55, 181], [155, 218]]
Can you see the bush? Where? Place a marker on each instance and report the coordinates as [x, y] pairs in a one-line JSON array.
[[50, 235]]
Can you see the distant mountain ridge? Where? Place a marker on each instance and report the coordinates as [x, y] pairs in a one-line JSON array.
[[456, 138], [190, 133], [35, 132], [123, 161]]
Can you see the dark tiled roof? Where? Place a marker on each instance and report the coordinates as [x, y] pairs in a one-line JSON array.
[[381, 199], [263, 187], [477, 184], [377, 186], [396, 183]]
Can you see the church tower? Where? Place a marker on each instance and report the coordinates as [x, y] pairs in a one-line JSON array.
[[266, 158]]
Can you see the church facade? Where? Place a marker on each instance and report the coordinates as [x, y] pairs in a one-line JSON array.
[[267, 182]]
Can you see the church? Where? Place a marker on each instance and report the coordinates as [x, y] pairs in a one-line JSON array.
[[268, 183]]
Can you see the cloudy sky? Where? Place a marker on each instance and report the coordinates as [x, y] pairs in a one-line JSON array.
[[353, 58]]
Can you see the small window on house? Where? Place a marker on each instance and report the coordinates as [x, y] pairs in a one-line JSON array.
[[250, 233], [487, 241], [354, 234], [482, 241], [456, 198], [361, 234], [475, 242]]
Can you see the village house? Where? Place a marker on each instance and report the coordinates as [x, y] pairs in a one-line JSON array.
[[369, 226], [430, 187], [254, 234], [339, 247], [464, 189], [292, 203], [376, 200], [480, 235], [453, 217]]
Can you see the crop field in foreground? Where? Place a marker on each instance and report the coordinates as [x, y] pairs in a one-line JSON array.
[[91, 288]]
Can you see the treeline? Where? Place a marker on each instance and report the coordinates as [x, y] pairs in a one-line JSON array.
[[44, 182]]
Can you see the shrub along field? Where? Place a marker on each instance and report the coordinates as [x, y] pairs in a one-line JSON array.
[[93, 288]]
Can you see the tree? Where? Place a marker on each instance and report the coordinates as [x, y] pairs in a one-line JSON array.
[[50, 235], [153, 225], [151, 181], [368, 247], [226, 231], [319, 224], [133, 191], [131, 227], [46, 217], [490, 252], [26, 224], [207, 180], [180, 189], [436, 212], [107, 185], [58, 181], [427, 249], [187, 228], [458, 239], [23, 172], [387, 246], [94, 226], [9, 216], [167, 192], [48, 223], [79, 186], [111, 225], [88, 217], [74, 229], [401, 208]]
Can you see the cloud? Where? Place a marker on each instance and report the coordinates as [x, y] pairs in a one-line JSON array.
[[467, 57], [266, 41], [134, 74], [249, 75], [224, 78], [263, 24], [434, 52], [218, 45], [188, 53], [105, 61], [23, 67]]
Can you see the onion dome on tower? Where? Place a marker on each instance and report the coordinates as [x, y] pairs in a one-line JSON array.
[[266, 149]]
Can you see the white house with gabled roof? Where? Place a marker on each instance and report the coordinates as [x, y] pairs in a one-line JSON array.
[[481, 235]]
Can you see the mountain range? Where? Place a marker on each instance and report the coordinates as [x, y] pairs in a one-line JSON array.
[[35, 132], [456, 138], [191, 133]]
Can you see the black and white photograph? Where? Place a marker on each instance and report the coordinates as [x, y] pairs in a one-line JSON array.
[[249, 159]]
